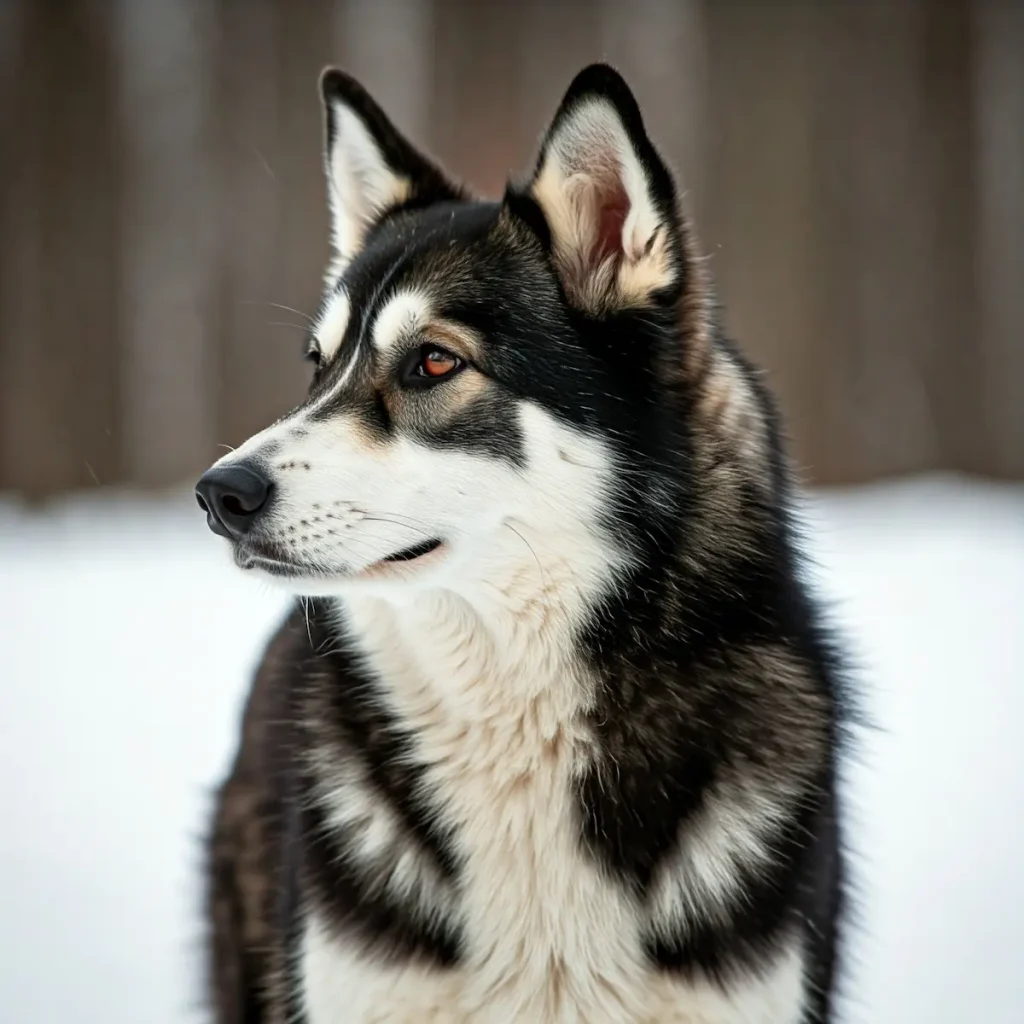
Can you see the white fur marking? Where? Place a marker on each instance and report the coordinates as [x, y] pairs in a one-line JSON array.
[[402, 316], [360, 185], [341, 986], [374, 839], [331, 325], [732, 834]]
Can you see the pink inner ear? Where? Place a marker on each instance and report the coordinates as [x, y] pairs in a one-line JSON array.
[[613, 209]]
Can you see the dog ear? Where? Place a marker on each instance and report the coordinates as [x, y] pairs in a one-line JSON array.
[[608, 199], [372, 169]]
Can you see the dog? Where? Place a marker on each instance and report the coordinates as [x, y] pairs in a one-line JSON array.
[[553, 733]]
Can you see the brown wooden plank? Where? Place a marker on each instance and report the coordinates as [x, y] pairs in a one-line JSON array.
[[61, 257]]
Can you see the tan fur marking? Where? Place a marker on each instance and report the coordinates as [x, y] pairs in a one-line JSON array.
[[697, 313], [363, 439], [455, 337], [443, 403], [627, 280], [731, 411], [470, 387], [638, 279], [438, 406]]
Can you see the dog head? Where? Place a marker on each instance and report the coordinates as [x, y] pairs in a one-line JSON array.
[[489, 378]]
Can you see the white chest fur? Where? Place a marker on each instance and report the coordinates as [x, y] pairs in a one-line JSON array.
[[498, 719]]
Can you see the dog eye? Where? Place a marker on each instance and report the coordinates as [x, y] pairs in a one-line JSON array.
[[438, 363], [315, 356], [429, 365]]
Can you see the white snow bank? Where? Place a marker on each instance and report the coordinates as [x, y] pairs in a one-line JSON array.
[[127, 639]]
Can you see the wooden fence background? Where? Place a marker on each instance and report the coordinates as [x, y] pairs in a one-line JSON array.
[[856, 169]]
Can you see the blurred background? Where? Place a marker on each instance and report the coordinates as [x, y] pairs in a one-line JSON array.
[[856, 171]]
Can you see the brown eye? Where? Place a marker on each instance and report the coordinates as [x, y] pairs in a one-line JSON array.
[[429, 365], [438, 363]]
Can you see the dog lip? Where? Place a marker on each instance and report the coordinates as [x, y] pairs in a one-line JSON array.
[[288, 570], [253, 560], [255, 555]]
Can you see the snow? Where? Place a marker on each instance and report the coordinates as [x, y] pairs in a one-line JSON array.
[[127, 639]]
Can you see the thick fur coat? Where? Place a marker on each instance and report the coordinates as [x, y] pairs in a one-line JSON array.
[[552, 735]]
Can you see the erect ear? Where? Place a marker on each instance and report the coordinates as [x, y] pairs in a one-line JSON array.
[[608, 199], [372, 169]]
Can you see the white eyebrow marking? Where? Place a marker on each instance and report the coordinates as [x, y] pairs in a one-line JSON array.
[[331, 324], [336, 387], [402, 315]]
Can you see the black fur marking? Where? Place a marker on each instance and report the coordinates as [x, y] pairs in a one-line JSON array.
[[334, 692], [375, 921], [490, 427], [521, 205], [771, 911], [359, 721], [429, 184], [290, 912]]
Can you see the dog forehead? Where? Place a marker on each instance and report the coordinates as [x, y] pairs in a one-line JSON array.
[[411, 242], [450, 263], [445, 248]]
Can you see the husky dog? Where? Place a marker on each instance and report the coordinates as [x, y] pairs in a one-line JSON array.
[[553, 736]]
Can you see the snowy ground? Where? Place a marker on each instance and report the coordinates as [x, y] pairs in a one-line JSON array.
[[126, 641]]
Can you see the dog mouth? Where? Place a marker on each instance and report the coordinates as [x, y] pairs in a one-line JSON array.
[[410, 554], [255, 555], [403, 563]]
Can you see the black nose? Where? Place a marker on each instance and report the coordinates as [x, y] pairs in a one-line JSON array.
[[232, 497]]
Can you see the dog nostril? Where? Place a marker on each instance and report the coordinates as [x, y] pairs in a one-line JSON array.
[[233, 505], [202, 503]]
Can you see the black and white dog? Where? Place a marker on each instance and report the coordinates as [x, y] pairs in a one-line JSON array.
[[553, 736]]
